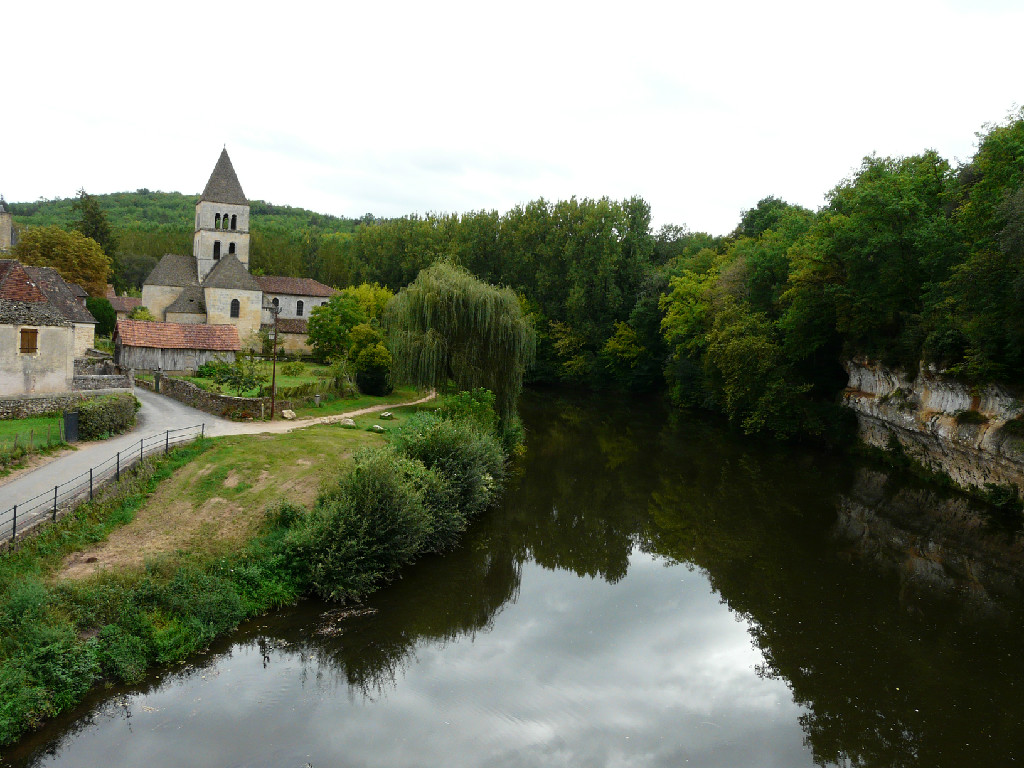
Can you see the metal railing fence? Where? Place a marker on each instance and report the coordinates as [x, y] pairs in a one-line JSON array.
[[45, 506]]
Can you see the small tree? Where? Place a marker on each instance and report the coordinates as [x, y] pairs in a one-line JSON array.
[[141, 313], [106, 317], [449, 329], [330, 323]]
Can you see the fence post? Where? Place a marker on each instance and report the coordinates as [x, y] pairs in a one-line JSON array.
[[55, 503], [90, 483], [167, 441], [140, 450], [14, 524], [118, 466], [202, 429]]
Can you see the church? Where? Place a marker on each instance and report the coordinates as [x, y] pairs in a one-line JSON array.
[[213, 286]]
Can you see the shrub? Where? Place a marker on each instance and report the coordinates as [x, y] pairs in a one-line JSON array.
[[469, 460], [373, 370], [293, 369], [109, 415], [970, 417], [475, 405], [372, 523], [1014, 427], [214, 369]]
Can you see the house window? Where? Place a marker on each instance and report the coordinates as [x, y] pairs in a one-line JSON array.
[[235, 306], [298, 309], [234, 221], [231, 247], [216, 249], [29, 341]]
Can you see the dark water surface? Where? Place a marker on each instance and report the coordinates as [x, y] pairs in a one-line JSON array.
[[652, 592]]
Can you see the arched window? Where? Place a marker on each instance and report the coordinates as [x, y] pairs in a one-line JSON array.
[[235, 306], [216, 221], [234, 221], [276, 302], [231, 247], [298, 309], [216, 249]]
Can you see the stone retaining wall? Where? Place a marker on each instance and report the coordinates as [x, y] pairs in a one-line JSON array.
[[118, 381], [212, 402], [37, 405]]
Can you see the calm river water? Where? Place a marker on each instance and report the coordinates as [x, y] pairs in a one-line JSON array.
[[653, 591]]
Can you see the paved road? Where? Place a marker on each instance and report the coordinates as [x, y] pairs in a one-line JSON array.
[[158, 414]]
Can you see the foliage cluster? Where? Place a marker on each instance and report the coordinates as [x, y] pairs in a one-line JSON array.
[[413, 496], [100, 417]]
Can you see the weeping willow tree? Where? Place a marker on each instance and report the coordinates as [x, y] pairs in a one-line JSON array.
[[449, 330]]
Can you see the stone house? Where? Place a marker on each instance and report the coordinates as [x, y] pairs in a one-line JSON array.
[[122, 305], [37, 341], [62, 296], [172, 347], [213, 286]]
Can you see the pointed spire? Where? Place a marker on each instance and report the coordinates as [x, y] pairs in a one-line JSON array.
[[223, 186]]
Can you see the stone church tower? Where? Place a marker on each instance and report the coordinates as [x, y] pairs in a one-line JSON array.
[[222, 220], [7, 235]]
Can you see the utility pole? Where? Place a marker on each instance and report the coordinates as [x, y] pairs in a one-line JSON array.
[[273, 369]]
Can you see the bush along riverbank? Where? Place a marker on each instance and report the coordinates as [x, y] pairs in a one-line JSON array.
[[391, 504]]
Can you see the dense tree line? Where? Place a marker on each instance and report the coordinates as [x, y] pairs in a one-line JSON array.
[[911, 259]]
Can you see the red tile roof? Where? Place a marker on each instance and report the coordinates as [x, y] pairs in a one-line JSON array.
[[16, 285], [289, 325], [296, 286], [140, 333]]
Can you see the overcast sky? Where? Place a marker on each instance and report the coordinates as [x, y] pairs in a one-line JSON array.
[[702, 109]]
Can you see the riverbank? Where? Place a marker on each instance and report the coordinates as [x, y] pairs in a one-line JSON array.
[[223, 530]]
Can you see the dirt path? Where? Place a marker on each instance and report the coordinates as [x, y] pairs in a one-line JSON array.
[[277, 427]]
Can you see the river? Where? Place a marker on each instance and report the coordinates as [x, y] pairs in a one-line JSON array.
[[653, 590]]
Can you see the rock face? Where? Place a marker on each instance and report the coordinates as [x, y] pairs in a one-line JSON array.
[[921, 414]]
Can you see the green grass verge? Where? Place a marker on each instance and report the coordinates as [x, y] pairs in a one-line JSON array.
[[60, 637]]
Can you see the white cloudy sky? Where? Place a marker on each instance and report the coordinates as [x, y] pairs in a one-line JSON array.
[[395, 107]]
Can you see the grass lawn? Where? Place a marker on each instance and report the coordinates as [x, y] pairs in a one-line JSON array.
[[333, 404], [215, 503], [312, 374], [22, 428]]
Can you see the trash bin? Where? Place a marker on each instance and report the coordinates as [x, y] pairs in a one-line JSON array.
[[316, 400], [71, 426]]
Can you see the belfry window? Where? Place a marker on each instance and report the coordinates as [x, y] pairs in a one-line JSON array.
[[216, 221], [298, 309], [216, 250], [235, 306], [234, 221]]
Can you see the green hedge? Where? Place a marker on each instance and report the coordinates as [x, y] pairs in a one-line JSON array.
[[105, 416]]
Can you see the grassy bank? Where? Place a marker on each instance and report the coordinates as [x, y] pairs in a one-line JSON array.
[[235, 527]]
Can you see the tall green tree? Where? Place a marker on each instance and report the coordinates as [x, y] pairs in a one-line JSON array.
[[78, 259], [448, 329], [330, 323]]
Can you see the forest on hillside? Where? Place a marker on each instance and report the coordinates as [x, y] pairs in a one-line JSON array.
[[910, 259]]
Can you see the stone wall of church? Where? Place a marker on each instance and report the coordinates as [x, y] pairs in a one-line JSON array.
[[250, 308], [157, 298], [186, 318]]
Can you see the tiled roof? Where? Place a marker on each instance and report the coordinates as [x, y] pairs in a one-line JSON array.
[[78, 291], [139, 333], [297, 286], [124, 303], [229, 273], [15, 283], [288, 325], [223, 186], [174, 269], [190, 300], [30, 313], [59, 294]]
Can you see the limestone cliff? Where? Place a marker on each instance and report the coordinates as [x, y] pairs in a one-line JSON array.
[[926, 416]]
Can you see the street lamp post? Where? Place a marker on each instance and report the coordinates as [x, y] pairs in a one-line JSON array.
[[273, 370]]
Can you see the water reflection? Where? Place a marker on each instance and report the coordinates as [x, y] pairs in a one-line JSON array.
[[604, 615]]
